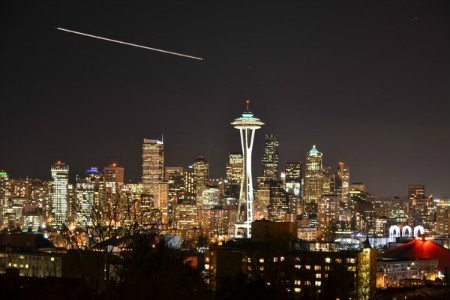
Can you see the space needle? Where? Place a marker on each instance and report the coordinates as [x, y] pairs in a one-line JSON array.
[[247, 125]]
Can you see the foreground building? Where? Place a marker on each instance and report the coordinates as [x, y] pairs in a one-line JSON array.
[[285, 265]]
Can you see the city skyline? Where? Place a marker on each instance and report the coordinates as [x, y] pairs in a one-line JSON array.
[[372, 96]]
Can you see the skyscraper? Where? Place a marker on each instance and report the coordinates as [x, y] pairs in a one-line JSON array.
[[342, 185], [152, 166], [114, 174], [293, 177], [247, 125], [60, 200], [313, 176], [200, 168], [233, 175], [270, 159]]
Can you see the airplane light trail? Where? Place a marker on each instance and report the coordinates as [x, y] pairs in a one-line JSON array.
[[129, 44]]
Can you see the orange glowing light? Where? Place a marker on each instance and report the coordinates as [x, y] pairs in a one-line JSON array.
[[114, 164]]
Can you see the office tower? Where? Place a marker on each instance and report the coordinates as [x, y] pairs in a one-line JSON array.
[[278, 208], [152, 165], [328, 181], [85, 195], [175, 179], [342, 182], [270, 159], [60, 197], [217, 221], [443, 217], [233, 175], [190, 190], [210, 197], [327, 213], [293, 177], [162, 203], [39, 196], [4, 194], [114, 175], [313, 176], [200, 168], [247, 124], [415, 191]]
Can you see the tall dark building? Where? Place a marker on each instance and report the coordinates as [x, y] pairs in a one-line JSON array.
[[270, 159], [278, 208]]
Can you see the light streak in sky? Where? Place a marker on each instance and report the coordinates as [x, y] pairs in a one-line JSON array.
[[128, 44]]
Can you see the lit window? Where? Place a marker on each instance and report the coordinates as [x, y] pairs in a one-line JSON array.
[[282, 258], [261, 268], [52, 259], [268, 283], [9, 264], [351, 268], [297, 290], [350, 260], [298, 267], [297, 259], [26, 266], [318, 275], [249, 259], [207, 259], [317, 268], [328, 260], [327, 268], [261, 260], [206, 266], [15, 265], [307, 282], [338, 260], [275, 259], [307, 267], [318, 283], [297, 282]]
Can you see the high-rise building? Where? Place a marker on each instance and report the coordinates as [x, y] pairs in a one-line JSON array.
[[327, 213], [278, 208], [415, 191], [247, 124], [313, 176], [233, 175], [443, 217], [293, 177], [152, 166], [270, 159], [200, 168], [60, 199], [175, 179], [342, 185], [85, 195], [114, 174], [4, 194]]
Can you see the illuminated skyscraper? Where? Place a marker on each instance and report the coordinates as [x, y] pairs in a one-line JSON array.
[[293, 177], [313, 176], [114, 174], [200, 168], [60, 200], [247, 125], [342, 182], [233, 175], [85, 194], [152, 166], [270, 159]]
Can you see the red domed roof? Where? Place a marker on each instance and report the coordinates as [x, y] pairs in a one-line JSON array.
[[421, 248]]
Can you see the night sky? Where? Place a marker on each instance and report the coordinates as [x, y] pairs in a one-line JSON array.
[[367, 81]]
